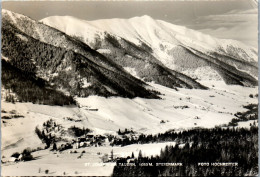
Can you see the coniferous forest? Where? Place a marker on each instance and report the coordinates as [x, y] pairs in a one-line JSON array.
[[30, 88], [214, 147], [57, 66]]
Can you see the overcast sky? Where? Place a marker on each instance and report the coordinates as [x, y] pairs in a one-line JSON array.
[[229, 19]]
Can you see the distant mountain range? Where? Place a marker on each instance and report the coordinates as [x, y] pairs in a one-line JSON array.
[[176, 47], [115, 57]]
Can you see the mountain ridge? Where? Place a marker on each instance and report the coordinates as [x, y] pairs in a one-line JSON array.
[[97, 62], [168, 46], [67, 70]]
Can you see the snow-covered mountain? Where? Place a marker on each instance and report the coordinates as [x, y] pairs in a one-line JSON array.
[[115, 57], [92, 81], [178, 48], [156, 33], [115, 81], [41, 64]]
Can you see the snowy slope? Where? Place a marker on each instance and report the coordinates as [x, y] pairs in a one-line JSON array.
[[123, 52], [89, 165], [215, 106], [152, 32], [176, 47], [100, 73]]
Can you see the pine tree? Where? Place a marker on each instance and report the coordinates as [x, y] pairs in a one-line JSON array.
[[133, 156], [112, 155], [54, 146], [140, 156]]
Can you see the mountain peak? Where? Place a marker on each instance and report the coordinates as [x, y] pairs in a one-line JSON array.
[[144, 17], [94, 73], [9, 12], [13, 15], [5, 11]]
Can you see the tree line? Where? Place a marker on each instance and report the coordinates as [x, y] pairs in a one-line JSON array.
[[208, 145]]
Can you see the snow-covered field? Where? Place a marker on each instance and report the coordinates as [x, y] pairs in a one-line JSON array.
[[90, 164], [182, 109], [215, 106]]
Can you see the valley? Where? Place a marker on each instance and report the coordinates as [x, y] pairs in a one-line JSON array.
[[179, 110], [79, 97]]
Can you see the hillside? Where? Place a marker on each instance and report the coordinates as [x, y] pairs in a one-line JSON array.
[[179, 110], [30, 88], [154, 71], [165, 44], [62, 68], [127, 54]]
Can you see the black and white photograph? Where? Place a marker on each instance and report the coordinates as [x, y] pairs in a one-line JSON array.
[[129, 88]]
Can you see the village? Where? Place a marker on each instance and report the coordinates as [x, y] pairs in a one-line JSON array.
[[60, 140]]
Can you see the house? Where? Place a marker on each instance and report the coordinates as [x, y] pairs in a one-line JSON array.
[[12, 159], [82, 140], [20, 157], [89, 136]]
